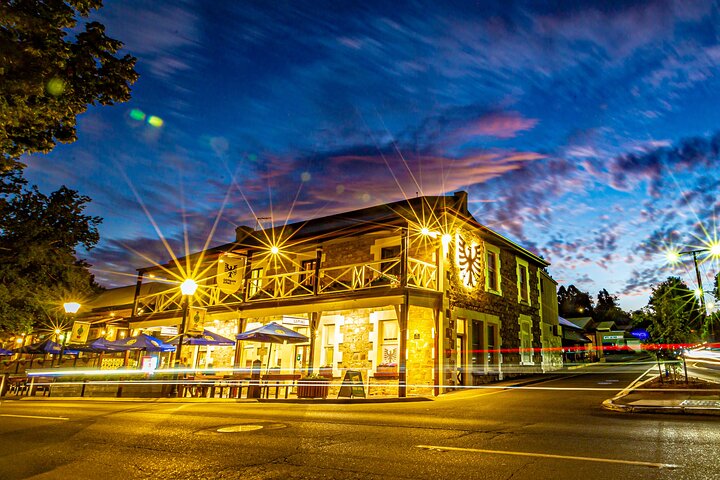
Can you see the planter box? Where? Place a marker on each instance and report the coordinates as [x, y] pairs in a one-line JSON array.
[[313, 388]]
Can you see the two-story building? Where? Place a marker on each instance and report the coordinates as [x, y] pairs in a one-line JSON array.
[[416, 294]]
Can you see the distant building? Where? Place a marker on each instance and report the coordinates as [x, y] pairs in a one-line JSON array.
[[417, 295]]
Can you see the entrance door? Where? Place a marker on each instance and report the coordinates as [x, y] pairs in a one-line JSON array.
[[301, 358]]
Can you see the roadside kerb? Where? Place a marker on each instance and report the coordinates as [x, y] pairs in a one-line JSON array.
[[611, 403]]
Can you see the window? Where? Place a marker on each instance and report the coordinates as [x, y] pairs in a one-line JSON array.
[[526, 352], [328, 339], [307, 273], [389, 349], [492, 269], [492, 347], [476, 355], [255, 281], [391, 268], [523, 282]]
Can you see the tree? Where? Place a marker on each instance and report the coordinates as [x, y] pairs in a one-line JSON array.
[[38, 266], [607, 309], [574, 303], [674, 311], [47, 79]]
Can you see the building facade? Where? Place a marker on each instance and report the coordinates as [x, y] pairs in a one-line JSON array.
[[416, 295]]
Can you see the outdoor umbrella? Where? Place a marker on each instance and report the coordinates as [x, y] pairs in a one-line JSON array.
[[6, 352], [207, 338], [272, 333], [140, 342], [46, 346]]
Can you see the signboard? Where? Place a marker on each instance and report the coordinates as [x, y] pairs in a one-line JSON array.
[[80, 332], [612, 337], [352, 385], [195, 321], [230, 273], [149, 363], [305, 322], [168, 331]]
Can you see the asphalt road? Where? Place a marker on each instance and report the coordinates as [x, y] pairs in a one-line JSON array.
[[554, 429]]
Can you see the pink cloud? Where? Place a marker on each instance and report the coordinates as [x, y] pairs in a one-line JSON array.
[[498, 125]]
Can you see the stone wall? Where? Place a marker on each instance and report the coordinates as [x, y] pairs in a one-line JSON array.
[[420, 363]]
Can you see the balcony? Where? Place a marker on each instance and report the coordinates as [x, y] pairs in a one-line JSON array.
[[331, 280]]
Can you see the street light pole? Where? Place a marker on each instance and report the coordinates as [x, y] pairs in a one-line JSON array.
[[187, 288], [713, 250], [71, 308]]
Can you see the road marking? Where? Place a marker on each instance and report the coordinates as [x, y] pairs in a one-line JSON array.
[[33, 416], [547, 455]]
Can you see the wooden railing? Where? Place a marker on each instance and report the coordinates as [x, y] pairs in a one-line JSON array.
[[422, 274], [344, 278]]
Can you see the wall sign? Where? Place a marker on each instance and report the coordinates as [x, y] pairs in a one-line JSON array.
[[468, 262], [230, 273]]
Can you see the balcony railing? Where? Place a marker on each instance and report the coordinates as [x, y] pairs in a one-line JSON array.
[[345, 278]]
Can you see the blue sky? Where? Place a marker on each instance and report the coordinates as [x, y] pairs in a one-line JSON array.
[[586, 131]]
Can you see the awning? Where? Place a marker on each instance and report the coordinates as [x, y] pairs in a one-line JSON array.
[[574, 336]]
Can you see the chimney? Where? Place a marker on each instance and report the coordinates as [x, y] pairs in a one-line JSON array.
[[461, 201], [242, 232]]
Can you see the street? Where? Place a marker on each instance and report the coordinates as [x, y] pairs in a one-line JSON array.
[[550, 429]]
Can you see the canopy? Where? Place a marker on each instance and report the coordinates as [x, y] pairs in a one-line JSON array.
[[98, 345], [46, 346], [140, 342], [207, 338], [6, 352], [272, 333]]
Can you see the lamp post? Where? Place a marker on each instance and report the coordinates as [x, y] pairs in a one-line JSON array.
[[187, 288], [714, 251], [71, 308]]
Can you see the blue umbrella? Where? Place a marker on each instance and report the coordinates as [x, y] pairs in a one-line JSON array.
[[6, 352], [141, 342], [47, 346], [95, 346], [273, 333], [207, 338]]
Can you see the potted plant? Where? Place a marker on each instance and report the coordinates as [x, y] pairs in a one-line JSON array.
[[326, 371], [313, 386], [387, 370]]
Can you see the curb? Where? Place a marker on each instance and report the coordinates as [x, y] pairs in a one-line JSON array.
[[610, 404], [307, 401]]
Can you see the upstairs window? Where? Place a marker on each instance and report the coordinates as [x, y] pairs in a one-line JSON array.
[[255, 281], [523, 282], [307, 273], [492, 269], [391, 267]]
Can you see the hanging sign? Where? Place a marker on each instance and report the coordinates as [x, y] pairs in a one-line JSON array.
[[230, 273], [195, 321], [80, 332]]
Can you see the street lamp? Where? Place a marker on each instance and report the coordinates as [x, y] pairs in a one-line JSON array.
[[187, 288], [71, 308], [673, 256]]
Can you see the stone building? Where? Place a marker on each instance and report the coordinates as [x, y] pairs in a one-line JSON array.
[[417, 295]]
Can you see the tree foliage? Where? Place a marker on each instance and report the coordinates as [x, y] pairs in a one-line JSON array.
[[607, 309], [47, 79], [38, 266], [674, 311], [574, 303]]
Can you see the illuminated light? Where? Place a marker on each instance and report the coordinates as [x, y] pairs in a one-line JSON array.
[[71, 307], [112, 314], [446, 239], [715, 249], [188, 287], [57, 330], [305, 176], [156, 122], [138, 115], [425, 231], [19, 340], [274, 250], [103, 333], [55, 86], [698, 293], [152, 275], [672, 256]]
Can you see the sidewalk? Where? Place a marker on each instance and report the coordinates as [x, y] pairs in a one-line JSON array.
[[684, 402]]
